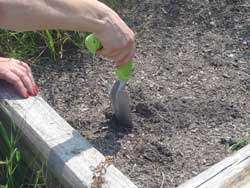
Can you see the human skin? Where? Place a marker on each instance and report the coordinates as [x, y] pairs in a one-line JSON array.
[[76, 15]]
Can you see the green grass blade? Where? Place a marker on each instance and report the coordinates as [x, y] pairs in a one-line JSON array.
[[4, 135], [239, 145], [3, 162], [51, 44], [18, 155], [38, 175]]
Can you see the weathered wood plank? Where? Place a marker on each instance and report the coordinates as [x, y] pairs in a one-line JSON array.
[[232, 172], [69, 155]]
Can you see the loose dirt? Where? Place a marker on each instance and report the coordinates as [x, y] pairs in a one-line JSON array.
[[189, 93]]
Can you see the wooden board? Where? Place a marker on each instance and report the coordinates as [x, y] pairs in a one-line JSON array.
[[232, 172], [69, 156]]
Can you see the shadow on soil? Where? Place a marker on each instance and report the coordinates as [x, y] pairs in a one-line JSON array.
[[109, 142]]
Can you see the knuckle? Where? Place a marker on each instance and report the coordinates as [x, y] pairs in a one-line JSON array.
[[131, 41], [12, 60], [26, 66], [23, 76], [132, 37], [5, 74], [16, 81]]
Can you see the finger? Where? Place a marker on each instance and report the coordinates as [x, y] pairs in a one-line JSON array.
[[121, 59], [105, 52], [13, 79], [112, 55], [24, 67], [102, 52], [125, 57], [115, 54], [23, 76], [28, 70]]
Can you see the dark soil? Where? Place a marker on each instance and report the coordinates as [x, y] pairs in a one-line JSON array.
[[189, 93]]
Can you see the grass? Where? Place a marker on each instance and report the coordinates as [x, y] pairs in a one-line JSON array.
[[19, 45], [14, 173], [32, 46], [238, 145], [114, 4]]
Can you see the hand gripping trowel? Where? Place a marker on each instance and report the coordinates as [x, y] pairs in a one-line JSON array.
[[119, 96]]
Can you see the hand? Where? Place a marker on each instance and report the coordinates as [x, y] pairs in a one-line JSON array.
[[117, 38], [19, 75]]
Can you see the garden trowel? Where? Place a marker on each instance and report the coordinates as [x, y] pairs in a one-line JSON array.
[[119, 96]]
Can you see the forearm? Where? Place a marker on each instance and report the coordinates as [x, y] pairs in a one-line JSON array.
[[26, 15], [79, 15]]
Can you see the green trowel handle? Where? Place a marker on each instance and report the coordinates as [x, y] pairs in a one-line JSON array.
[[123, 72]]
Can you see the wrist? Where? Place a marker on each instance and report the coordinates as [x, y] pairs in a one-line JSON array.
[[104, 16], [83, 15]]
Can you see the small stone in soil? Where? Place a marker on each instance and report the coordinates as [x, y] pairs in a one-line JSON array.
[[227, 141]]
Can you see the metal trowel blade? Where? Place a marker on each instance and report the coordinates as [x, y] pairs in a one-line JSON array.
[[120, 103]]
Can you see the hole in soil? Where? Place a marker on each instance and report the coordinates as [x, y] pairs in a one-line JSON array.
[[112, 119], [156, 152], [143, 110]]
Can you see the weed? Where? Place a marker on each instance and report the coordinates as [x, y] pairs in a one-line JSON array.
[[12, 167], [18, 45], [31, 45], [238, 145], [112, 3], [51, 44], [34, 45]]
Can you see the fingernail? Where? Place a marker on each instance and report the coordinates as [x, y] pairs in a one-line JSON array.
[[37, 89], [26, 95], [34, 90]]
